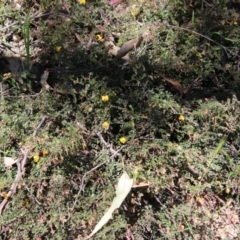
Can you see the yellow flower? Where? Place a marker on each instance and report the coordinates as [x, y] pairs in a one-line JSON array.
[[58, 48], [6, 196], [105, 98], [82, 2], [199, 200], [105, 125], [123, 140], [181, 118], [43, 153], [36, 158], [99, 38], [7, 75], [25, 203]]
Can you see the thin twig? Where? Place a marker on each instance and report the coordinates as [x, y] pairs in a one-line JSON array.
[[235, 150], [27, 95], [31, 194], [14, 184], [23, 161], [96, 167], [114, 154], [107, 145], [82, 182], [20, 170], [206, 37], [39, 125]]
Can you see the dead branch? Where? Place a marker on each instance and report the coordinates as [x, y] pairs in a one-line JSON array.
[[114, 154], [39, 125], [107, 145], [15, 183], [20, 170]]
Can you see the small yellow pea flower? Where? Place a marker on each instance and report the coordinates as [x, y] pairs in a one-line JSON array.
[[105, 98], [36, 158], [181, 118], [99, 38], [123, 140], [105, 125], [82, 2], [58, 48]]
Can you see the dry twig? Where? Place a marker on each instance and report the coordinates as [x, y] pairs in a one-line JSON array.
[[107, 145], [15, 183], [114, 154], [20, 170], [39, 125]]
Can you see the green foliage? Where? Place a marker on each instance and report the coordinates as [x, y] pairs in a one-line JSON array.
[[182, 148]]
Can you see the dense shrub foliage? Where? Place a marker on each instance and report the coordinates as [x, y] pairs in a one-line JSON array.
[[169, 116]]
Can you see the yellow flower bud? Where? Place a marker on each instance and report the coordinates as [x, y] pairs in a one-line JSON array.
[[105, 125], [82, 2], [7, 75], [181, 118], [25, 203], [99, 38], [36, 158], [105, 98], [44, 153], [123, 140], [6, 196], [58, 48], [199, 200]]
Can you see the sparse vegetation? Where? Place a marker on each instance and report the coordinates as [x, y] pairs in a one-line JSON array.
[[90, 89]]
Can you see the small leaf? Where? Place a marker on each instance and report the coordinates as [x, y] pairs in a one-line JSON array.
[[78, 37], [89, 44], [178, 86]]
